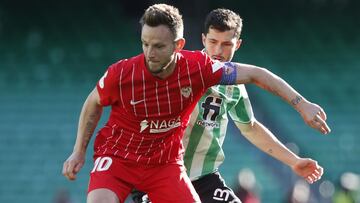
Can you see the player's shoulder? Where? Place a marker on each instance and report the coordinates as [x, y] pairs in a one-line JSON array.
[[188, 53], [195, 58], [193, 55], [127, 64]]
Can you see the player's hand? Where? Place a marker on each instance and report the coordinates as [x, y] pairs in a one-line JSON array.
[[314, 116], [73, 165], [308, 169]]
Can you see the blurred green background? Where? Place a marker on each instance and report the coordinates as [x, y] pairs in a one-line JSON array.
[[53, 52]]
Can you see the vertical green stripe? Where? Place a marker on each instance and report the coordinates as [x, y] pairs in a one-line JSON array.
[[194, 140], [236, 94], [194, 137], [224, 104], [212, 153], [234, 99], [240, 110], [214, 148]]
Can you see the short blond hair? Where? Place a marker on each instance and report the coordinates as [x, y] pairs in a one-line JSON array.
[[163, 14]]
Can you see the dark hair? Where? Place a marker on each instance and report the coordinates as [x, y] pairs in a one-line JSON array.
[[163, 14], [223, 20]]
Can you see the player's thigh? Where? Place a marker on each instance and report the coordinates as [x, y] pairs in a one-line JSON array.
[[212, 189], [102, 196], [110, 176], [107, 184], [171, 184]]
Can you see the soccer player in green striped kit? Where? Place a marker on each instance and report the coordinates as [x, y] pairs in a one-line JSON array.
[[206, 132]]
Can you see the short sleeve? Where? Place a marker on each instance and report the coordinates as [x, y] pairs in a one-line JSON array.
[[242, 112], [108, 86], [212, 74]]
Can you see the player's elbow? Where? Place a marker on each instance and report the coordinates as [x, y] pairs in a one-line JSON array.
[[259, 74], [247, 129]]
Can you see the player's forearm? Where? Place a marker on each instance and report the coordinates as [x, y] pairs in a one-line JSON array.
[[89, 118], [263, 139], [270, 82]]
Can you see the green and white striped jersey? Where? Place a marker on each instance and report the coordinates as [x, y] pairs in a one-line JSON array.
[[206, 132]]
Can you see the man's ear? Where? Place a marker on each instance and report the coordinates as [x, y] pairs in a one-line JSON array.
[[179, 44], [238, 44], [203, 37]]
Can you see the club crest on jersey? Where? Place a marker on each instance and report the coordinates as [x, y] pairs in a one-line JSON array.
[[186, 91], [159, 126], [229, 90], [229, 68]]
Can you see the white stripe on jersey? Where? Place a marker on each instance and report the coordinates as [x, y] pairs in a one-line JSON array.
[[127, 154], [243, 91], [168, 95], [198, 161], [146, 112], [117, 140], [113, 130], [142, 138], [181, 99], [202, 79], [121, 98], [161, 152], [137, 160], [107, 139], [188, 71], [152, 142], [247, 103], [171, 145], [157, 97], [127, 146], [103, 145], [132, 87], [223, 125]]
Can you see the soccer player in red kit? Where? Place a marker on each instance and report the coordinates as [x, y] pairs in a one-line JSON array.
[[152, 96]]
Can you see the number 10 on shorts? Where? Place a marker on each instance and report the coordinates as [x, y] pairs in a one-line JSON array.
[[102, 164]]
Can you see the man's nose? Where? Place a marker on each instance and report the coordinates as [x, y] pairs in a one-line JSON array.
[[218, 50], [151, 52]]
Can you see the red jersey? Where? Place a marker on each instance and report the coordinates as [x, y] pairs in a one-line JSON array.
[[149, 114]]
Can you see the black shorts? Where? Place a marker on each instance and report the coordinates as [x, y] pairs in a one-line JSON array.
[[211, 189]]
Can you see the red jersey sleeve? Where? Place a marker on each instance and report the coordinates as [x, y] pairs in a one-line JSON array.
[[108, 85], [212, 74]]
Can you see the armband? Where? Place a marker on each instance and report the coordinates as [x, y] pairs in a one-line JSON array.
[[229, 74]]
